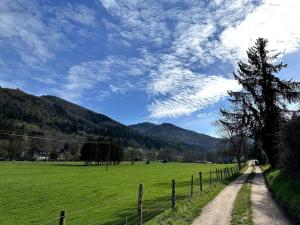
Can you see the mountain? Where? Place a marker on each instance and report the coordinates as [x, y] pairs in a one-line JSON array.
[[143, 127], [50, 116], [51, 112], [169, 132]]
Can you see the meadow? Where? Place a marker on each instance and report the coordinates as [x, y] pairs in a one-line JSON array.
[[35, 193]]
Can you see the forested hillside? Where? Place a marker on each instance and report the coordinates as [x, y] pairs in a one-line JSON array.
[[170, 132], [53, 117]]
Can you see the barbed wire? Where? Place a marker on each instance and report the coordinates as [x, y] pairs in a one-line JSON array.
[[91, 207], [52, 220], [161, 203], [116, 216]]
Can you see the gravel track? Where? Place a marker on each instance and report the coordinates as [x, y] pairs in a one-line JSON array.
[[264, 208], [218, 211]]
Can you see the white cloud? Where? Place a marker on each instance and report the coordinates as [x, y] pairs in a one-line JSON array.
[[85, 75], [37, 32], [28, 31], [139, 20], [198, 34], [187, 29], [276, 20], [177, 89], [77, 13], [192, 41], [204, 115], [114, 74], [183, 92], [109, 4], [199, 28]]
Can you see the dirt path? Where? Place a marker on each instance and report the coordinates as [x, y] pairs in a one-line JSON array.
[[218, 211], [265, 210]]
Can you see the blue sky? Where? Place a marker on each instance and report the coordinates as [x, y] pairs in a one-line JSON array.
[[135, 61]]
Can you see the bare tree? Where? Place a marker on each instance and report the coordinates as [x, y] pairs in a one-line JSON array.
[[233, 140]]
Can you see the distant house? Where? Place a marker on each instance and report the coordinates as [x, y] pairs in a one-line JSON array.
[[203, 161], [41, 156], [234, 161], [163, 161], [61, 156]]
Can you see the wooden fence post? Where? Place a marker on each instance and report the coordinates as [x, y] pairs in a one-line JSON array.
[[62, 217], [231, 171], [221, 173], [140, 206], [200, 180], [217, 175], [210, 178], [192, 185], [225, 175], [173, 195]]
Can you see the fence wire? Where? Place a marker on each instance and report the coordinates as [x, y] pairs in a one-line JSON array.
[[154, 203]]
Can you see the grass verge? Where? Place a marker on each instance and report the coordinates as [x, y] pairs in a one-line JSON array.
[[285, 190], [242, 213], [187, 210]]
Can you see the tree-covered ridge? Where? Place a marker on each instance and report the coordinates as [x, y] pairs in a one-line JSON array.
[[170, 132], [50, 116]]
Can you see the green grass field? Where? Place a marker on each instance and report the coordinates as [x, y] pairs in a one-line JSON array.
[[35, 193]]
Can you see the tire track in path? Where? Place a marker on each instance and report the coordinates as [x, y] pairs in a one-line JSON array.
[[218, 211]]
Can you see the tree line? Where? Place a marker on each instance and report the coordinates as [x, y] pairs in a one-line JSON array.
[[260, 112], [99, 152]]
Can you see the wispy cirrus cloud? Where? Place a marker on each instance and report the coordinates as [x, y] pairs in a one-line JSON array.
[[190, 32], [199, 34], [182, 92], [36, 38], [113, 74], [141, 21]]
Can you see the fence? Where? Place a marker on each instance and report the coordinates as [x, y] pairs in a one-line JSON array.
[[146, 209]]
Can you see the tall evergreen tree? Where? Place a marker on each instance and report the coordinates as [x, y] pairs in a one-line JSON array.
[[263, 100]]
